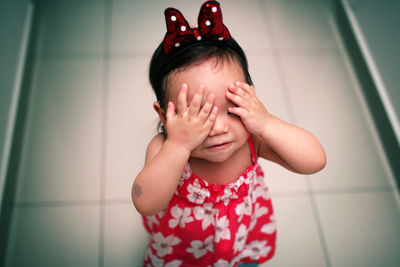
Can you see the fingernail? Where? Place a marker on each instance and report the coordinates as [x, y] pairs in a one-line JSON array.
[[237, 83]]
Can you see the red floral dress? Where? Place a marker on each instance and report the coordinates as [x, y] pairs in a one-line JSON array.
[[214, 225]]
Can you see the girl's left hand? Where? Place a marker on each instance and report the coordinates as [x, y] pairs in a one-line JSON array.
[[249, 108]]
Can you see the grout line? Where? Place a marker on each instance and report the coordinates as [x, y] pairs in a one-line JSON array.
[[43, 204], [147, 54], [105, 82], [128, 201], [292, 117], [318, 221], [68, 55], [72, 203], [84, 55], [333, 191], [354, 190]]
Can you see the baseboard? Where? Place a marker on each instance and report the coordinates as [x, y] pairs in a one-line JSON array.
[[369, 89]]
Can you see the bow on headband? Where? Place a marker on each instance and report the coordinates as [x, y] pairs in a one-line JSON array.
[[210, 27]]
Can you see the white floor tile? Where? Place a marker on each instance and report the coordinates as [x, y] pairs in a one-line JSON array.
[[132, 123], [361, 229], [54, 236], [268, 84], [62, 150], [325, 103], [246, 23], [140, 27], [70, 26], [125, 238], [137, 26], [298, 241], [61, 154], [299, 25], [280, 180]]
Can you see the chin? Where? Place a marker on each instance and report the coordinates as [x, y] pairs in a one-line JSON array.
[[212, 157]]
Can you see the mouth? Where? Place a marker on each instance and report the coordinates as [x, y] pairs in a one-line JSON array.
[[219, 146]]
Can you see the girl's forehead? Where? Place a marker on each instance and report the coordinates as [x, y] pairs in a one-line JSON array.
[[214, 76]]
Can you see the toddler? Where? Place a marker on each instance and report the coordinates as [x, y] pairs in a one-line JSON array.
[[201, 191]]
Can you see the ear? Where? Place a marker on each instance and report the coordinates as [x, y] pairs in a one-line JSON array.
[[161, 112]]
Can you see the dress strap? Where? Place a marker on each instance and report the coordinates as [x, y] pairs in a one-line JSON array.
[[253, 152]]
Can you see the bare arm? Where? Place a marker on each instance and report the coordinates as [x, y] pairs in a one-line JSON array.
[[155, 185], [288, 145]]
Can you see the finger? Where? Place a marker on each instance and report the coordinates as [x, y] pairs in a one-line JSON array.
[[238, 100], [249, 89], [196, 102], [170, 111], [211, 118], [238, 91], [234, 88], [182, 98], [207, 108], [238, 111]]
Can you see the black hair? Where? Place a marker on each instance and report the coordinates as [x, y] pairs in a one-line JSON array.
[[162, 64]]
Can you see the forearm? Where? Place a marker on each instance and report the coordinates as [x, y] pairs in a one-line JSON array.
[[298, 148], [156, 183]]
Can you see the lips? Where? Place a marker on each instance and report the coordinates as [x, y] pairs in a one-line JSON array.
[[218, 146]]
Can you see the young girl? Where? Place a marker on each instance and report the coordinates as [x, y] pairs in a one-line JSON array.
[[201, 192]]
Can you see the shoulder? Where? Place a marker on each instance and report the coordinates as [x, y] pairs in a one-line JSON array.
[[154, 146]]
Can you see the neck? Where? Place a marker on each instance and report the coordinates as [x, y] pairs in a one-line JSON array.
[[223, 172]]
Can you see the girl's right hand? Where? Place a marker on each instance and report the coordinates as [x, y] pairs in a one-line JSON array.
[[187, 127]]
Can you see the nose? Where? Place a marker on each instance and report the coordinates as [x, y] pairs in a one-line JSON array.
[[220, 126]]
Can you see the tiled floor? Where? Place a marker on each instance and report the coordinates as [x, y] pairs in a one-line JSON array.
[[91, 118]]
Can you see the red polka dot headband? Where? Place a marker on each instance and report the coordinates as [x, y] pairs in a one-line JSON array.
[[180, 34]]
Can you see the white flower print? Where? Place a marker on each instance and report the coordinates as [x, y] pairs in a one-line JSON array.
[[174, 263], [222, 263], [156, 262], [152, 220], [258, 212], [161, 214], [199, 248], [260, 191], [222, 229], [228, 194], [186, 175], [153, 258], [205, 213], [256, 250], [182, 217], [244, 208], [197, 194], [238, 183], [270, 227], [240, 239], [163, 245]]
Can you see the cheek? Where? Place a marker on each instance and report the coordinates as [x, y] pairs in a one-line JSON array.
[[237, 125]]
